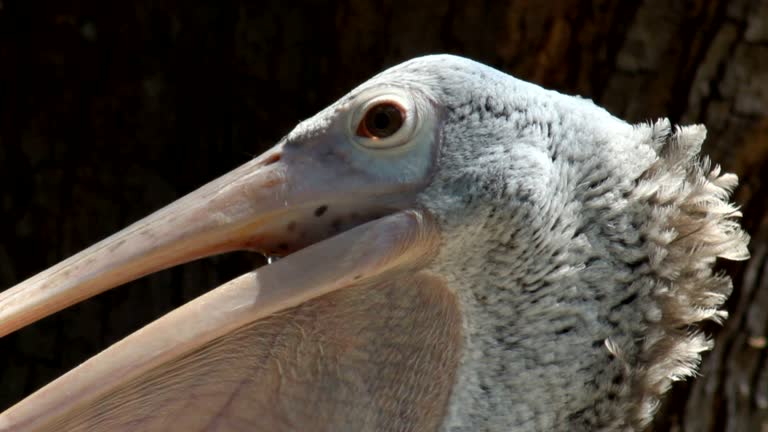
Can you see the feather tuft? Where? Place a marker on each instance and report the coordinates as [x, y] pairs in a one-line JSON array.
[[691, 223]]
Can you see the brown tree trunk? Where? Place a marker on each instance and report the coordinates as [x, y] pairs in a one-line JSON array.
[[108, 110]]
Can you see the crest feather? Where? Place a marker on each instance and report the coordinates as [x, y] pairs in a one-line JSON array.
[[692, 222]]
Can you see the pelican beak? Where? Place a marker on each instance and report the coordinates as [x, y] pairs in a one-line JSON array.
[[281, 202]]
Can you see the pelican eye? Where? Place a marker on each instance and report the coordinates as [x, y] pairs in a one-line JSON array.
[[385, 119], [381, 121]]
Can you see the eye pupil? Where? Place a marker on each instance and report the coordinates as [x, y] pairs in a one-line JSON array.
[[381, 121]]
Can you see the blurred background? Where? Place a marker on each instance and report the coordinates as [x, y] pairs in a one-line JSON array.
[[110, 110]]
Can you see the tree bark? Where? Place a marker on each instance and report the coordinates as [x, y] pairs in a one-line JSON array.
[[109, 110]]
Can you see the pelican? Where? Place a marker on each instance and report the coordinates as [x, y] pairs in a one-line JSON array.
[[461, 251]]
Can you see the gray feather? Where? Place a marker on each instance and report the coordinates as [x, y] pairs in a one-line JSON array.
[[581, 248]]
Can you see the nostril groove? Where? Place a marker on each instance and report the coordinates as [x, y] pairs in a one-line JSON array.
[[321, 210], [272, 159]]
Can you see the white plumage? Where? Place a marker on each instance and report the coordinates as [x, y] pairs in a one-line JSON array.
[[581, 247]]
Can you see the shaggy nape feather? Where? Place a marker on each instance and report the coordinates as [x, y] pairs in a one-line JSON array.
[[691, 224]]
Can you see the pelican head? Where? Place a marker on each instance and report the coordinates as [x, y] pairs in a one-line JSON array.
[[462, 251]]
